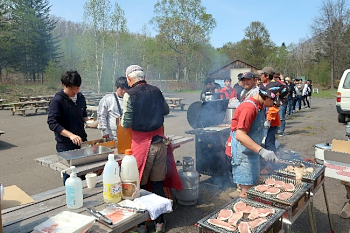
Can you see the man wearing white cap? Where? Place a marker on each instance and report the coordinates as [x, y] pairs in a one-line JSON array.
[[144, 110]]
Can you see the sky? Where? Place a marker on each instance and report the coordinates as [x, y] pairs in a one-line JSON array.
[[287, 21]]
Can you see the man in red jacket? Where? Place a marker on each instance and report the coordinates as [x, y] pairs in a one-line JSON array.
[[228, 90]]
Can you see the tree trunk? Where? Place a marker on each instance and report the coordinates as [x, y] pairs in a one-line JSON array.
[[33, 76]]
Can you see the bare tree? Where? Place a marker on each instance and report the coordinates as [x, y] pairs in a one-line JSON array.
[[97, 15], [329, 30]]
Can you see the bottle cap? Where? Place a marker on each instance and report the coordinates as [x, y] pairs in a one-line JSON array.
[[111, 156], [128, 152]]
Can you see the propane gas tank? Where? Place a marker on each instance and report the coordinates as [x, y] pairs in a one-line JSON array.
[[190, 181]]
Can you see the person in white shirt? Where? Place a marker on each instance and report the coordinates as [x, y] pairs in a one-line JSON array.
[[110, 108]]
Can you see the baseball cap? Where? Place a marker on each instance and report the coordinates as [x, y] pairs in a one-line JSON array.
[[132, 68], [274, 90], [248, 75], [267, 70]]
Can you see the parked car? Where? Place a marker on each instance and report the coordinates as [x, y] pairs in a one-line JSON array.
[[343, 98]]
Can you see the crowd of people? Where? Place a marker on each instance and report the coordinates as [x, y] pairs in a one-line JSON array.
[[266, 100]]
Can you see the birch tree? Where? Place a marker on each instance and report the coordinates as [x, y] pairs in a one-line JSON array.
[[118, 23], [97, 17]]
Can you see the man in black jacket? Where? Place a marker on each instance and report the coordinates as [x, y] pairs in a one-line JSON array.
[[67, 113]]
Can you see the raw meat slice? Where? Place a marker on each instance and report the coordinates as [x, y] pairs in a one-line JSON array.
[[254, 214], [261, 188], [270, 181], [284, 196], [272, 190], [263, 212], [234, 218], [310, 169], [221, 224], [239, 206], [224, 214], [279, 184], [289, 187], [257, 222], [248, 209], [243, 227], [260, 212]]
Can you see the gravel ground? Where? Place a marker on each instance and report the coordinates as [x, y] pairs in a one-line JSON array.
[[27, 138]]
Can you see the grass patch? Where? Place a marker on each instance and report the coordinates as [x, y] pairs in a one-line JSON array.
[[308, 127], [327, 94], [322, 127], [12, 92]]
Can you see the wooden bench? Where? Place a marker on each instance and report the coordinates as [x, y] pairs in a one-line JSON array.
[[6, 106], [315, 90], [46, 108]]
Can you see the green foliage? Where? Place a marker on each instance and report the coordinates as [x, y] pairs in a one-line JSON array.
[[184, 26]]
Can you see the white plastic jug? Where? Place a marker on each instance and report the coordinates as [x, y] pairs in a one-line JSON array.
[[130, 176], [112, 186], [74, 190]]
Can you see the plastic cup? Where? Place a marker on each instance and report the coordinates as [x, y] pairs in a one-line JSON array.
[[91, 180]]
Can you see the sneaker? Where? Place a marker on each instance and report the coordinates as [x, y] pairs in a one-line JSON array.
[[160, 227], [141, 229], [281, 134]]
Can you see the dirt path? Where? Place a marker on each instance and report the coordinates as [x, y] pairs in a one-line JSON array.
[[27, 138]]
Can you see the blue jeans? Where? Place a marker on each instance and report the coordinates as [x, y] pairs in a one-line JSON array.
[[299, 102], [270, 139], [282, 112], [290, 106]]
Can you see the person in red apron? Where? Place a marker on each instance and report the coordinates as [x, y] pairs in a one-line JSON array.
[[144, 110], [247, 128]]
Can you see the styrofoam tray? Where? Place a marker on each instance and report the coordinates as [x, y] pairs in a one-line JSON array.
[[66, 222]]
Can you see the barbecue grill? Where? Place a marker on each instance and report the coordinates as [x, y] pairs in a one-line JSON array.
[[206, 119], [293, 206], [317, 178], [273, 223]]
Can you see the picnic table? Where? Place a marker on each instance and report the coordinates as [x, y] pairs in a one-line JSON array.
[[175, 102], [22, 219], [35, 98], [29, 105], [52, 161], [1, 101], [91, 111]]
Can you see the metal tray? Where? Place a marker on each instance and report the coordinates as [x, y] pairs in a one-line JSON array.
[[84, 156]]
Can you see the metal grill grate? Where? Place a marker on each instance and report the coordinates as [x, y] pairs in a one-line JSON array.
[[271, 219], [309, 177], [300, 190]]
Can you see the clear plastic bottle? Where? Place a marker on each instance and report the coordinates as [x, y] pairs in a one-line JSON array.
[[74, 190], [112, 186], [130, 176]]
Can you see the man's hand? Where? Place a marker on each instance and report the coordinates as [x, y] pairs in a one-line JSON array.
[[105, 136], [76, 139], [267, 124], [268, 155]]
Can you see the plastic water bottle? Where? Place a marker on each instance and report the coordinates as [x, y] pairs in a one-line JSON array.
[[130, 176], [74, 190], [112, 186]]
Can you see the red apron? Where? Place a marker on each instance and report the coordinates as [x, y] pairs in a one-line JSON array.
[[141, 142]]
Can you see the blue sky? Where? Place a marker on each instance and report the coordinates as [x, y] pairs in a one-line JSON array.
[[286, 20]]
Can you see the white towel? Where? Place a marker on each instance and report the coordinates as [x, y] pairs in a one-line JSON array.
[[155, 205]]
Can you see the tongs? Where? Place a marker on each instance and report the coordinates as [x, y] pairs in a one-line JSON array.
[[135, 209], [294, 163], [100, 217]]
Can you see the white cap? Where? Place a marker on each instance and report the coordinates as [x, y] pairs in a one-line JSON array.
[[111, 157]]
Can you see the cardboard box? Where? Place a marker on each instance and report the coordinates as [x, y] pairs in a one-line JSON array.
[[337, 160]]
